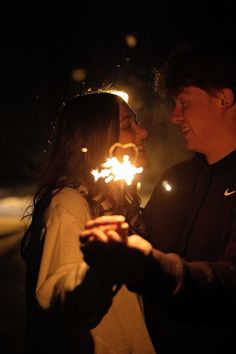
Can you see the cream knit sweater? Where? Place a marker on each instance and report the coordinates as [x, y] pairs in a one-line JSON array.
[[63, 274]]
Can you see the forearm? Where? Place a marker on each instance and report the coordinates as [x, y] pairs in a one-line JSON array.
[[77, 294], [196, 289], [163, 275]]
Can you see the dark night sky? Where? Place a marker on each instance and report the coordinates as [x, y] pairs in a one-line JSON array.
[[40, 50]]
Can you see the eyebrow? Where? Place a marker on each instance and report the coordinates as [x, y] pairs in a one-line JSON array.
[[180, 94]]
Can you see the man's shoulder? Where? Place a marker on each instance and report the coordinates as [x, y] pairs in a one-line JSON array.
[[185, 167], [178, 178]]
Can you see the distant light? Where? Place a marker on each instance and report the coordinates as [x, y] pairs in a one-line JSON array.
[[84, 149], [139, 185], [131, 40], [78, 74], [167, 186]]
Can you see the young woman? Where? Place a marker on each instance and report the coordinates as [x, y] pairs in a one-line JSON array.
[[70, 308]]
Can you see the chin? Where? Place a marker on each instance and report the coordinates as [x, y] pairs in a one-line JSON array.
[[189, 145], [142, 160]]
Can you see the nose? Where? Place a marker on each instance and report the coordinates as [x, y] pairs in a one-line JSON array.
[[176, 116]]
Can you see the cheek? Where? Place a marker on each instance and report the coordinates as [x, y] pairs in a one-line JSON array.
[[126, 137], [196, 118], [202, 127]]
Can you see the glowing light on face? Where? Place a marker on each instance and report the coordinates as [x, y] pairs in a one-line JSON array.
[[122, 94], [116, 170], [84, 149], [167, 186]]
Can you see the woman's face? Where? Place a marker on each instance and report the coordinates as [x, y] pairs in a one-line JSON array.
[[131, 132]]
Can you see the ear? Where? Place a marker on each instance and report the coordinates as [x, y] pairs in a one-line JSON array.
[[226, 96]]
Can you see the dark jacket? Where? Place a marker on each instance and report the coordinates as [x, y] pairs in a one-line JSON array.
[[190, 289]]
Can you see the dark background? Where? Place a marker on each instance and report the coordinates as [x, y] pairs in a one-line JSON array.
[[42, 46]]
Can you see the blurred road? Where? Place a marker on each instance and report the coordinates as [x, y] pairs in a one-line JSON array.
[[12, 271]]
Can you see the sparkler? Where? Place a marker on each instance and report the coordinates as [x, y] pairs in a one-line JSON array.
[[119, 171], [123, 171]]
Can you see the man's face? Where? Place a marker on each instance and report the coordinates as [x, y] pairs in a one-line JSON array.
[[198, 115]]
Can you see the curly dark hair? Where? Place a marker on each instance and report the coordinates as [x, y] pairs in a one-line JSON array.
[[209, 65]]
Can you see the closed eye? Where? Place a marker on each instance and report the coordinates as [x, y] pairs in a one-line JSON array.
[[126, 123], [184, 104]]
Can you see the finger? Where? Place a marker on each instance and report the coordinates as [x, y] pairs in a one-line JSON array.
[[86, 239], [109, 227], [113, 236], [123, 230], [85, 235], [104, 220], [95, 234], [139, 243]]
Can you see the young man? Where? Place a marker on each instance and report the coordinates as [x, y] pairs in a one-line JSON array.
[[187, 273]]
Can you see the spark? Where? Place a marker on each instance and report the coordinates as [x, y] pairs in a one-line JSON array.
[[117, 171]]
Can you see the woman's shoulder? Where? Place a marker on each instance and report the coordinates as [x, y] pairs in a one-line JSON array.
[[70, 194], [70, 200]]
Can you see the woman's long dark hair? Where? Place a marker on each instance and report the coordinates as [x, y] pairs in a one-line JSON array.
[[91, 122]]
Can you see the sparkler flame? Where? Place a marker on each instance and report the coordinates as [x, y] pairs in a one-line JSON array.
[[116, 170]]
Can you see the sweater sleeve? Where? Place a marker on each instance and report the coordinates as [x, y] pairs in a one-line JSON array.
[[198, 290], [66, 283]]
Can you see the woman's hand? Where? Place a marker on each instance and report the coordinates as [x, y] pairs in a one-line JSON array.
[[108, 249], [105, 229], [113, 228]]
